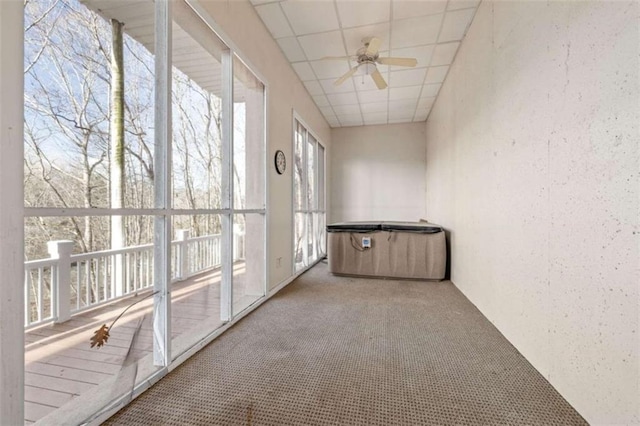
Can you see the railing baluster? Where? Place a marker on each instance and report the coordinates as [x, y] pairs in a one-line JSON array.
[[127, 286], [103, 281], [87, 277], [78, 284], [97, 280], [39, 293]]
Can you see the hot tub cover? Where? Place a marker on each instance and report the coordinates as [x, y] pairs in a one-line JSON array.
[[389, 226], [355, 227], [419, 227]]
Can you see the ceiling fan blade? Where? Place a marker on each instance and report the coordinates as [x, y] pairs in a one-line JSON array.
[[379, 80], [348, 74], [335, 57], [374, 45], [403, 62]]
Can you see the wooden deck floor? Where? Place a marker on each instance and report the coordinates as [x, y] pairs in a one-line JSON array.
[[60, 364]]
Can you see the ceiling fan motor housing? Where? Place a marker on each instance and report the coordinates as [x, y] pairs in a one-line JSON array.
[[366, 63]]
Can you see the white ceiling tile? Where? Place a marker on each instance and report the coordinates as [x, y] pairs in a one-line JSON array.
[[403, 106], [291, 49], [399, 120], [353, 36], [443, 53], [304, 71], [410, 77], [321, 100], [327, 111], [462, 4], [343, 99], [333, 121], [371, 96], [417, 31], [409, 8], [401, 115], [330, 88], [272, 16], [359, 13], [455, 25], [313, 87], [409, 92], [342, 110], [329, 68], [430, 90], [307, 17], [317, 46], [425, 102], [374, 107], [421, 53], [351, 120], [375, 118], [331, 117], [436, 74]]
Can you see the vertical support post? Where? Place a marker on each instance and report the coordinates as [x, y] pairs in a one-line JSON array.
[[183, 254], [61, 285], [12, 212], [162, 189], [226, 286]]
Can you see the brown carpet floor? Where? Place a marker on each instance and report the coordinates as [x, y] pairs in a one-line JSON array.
[[351, 351]]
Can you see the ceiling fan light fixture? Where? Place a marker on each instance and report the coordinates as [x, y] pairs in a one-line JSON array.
[[367, 68]]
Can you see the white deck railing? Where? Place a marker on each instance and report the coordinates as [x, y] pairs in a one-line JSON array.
[[66, 284]]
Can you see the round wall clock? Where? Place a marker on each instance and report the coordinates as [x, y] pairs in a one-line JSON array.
[[280, 161]]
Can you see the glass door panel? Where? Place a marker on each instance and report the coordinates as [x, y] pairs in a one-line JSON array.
[[196, 274], [300, 241], [248, 139], [309, 198], [197, 241], [248, 260]]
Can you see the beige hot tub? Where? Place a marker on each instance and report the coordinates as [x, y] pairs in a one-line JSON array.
[[414, 250]]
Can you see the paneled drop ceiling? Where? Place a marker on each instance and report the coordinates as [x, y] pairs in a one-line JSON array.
[[428, 30]]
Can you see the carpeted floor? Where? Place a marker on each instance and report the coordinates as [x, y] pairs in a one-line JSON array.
[[351, 351]]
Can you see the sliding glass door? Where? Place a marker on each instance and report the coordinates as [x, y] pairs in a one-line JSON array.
[[144, 197], [309, 197]]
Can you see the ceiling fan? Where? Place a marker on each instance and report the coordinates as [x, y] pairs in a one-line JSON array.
[[367, 58]]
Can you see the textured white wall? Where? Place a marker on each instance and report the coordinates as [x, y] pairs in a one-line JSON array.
[[533, 164], [240, 22], [378, 172]]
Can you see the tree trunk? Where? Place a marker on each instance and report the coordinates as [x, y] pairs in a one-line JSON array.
[[116, 131]]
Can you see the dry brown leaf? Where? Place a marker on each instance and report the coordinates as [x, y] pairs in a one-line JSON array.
[[100, 336]]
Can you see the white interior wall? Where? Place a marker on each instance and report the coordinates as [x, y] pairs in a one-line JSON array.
[[378, 172], [533, 165], [285, 93]]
